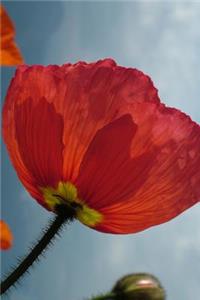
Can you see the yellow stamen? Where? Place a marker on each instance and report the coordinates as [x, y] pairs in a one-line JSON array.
[[89, 216], [66, 193]]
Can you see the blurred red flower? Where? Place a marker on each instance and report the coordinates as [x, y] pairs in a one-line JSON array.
[[6, 237], [96, 136], [9, 54]]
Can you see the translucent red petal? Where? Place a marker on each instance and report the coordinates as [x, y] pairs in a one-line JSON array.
[[173, 183], [109, 174], [103, 128]]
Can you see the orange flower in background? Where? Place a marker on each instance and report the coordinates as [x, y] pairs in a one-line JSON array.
[[95, 138], [9, 54], [6, 237]]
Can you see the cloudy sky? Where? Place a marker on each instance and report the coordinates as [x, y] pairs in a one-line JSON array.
[[163, 40]]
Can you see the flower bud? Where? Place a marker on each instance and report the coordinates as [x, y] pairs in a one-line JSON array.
[[139, 286]]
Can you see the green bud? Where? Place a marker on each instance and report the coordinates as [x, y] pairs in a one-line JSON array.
[[139, 286]]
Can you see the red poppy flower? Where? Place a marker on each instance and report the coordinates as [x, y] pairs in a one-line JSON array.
[[6, 237], [9, 54], [96, 137]]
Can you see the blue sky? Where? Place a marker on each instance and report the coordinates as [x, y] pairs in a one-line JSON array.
[[163, 40]]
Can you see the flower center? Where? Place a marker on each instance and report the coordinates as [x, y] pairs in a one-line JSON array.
[[65, 197]]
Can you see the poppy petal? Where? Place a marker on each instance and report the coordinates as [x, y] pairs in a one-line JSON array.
[[6, 237], [38, 148], [100, 92], [132, 159], [108, 173], [88, 96], [172, 185], [10, 54]]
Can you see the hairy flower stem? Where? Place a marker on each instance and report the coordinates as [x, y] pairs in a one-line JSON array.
[[53, 229]]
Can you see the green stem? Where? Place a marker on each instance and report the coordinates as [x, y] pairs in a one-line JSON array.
[[108, 296], [53, 229]]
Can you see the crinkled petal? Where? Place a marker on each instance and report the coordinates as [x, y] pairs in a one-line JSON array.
[[88, 96], [173, 183]]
